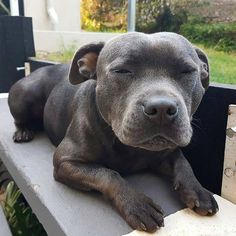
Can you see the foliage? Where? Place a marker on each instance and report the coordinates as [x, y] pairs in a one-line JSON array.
[[183, 16], [64, 55], [164, 15], [149, 10], [20, 217], [180, 16], [104, 15], [220, 36], [222, 66], [152, 15], [146, 11]]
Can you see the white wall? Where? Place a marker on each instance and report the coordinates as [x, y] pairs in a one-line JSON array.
[[68, 13], [67, 32], [53, 41]]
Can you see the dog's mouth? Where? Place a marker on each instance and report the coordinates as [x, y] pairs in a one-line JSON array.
[[156, 143], [135, 130]]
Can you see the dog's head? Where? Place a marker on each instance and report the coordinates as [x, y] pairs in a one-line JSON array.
[[148, 86]]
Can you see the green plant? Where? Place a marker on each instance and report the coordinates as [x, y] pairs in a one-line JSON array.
[[222, 65], [64, 55], [166, 15], [220, 36], [20, 217], [104, 15]]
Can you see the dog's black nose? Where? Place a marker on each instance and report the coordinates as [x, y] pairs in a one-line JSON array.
[[161, 109]]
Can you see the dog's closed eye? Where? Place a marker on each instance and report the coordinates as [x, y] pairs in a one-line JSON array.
[[188, 69], [121, 71]]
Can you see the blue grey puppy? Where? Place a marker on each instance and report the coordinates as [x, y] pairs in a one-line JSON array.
[[129, 109]]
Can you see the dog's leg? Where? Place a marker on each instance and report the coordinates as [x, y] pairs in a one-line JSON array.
[[26, 109], [26, 121], [137, 209], [22, 134], [22, 120], [190, 190]]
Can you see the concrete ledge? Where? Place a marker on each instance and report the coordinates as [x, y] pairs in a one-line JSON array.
[[185, 222], [61, 210], [3, 95], [53, 41], [4, 227], [64, 211]]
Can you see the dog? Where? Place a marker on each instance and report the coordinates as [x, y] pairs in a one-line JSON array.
[[120, 107]]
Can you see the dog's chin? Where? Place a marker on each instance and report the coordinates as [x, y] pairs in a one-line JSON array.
[[157, 143]]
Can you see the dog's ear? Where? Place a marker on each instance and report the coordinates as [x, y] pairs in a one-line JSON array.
[[83, 65], [205, 74]]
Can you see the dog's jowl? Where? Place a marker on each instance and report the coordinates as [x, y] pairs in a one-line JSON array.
[[122, 106]]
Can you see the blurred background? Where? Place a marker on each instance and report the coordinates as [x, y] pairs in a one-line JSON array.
[[62, 26]]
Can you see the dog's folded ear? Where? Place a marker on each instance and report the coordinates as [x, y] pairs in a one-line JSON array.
[[205, 75], [83, 65]]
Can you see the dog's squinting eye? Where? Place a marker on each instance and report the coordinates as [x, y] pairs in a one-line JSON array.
[[188, 71], [121, 71]]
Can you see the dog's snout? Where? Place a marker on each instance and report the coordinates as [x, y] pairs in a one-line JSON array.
[[161, 109]]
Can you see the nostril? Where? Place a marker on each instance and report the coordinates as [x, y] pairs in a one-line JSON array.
[[150, 110], [172, 110]]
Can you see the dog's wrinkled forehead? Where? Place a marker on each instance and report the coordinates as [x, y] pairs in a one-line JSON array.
[[136, 48]]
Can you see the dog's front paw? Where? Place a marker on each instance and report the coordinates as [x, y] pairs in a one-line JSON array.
[[140, 212], [23, 135], [199, 199]]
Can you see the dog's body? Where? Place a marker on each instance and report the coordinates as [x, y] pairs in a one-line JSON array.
[[135, 116]]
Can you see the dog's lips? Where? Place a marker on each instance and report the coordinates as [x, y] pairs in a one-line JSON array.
[[158, 139], [156, 142]]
